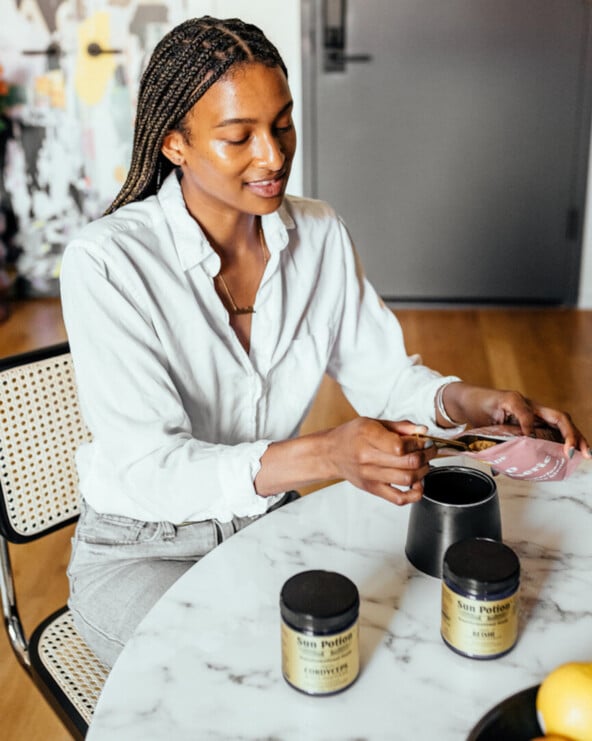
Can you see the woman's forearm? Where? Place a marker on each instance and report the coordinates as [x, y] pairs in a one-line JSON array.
[[451, 400], [292, 463]]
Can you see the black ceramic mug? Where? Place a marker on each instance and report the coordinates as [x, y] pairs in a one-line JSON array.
[[457, 503]]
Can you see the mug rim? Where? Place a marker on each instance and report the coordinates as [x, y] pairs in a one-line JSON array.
[[461, 469]]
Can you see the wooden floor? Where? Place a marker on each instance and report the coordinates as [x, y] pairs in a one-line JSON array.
[[546, 353]]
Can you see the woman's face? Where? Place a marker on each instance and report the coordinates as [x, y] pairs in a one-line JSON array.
[[240, 144]]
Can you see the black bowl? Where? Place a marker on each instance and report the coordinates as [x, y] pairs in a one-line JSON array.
[[513, 719]]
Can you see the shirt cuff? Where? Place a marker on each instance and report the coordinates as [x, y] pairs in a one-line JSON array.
[[237, 469]]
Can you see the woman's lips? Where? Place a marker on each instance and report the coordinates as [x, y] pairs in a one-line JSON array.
[[269, 188]]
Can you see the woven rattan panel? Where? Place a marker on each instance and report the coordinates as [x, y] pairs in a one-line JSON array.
[[72, 665], [40, 429]]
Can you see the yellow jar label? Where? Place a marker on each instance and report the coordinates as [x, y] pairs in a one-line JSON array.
[[479, 628], [320, 665]]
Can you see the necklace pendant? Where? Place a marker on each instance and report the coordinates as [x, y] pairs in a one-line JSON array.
[[243, 310]]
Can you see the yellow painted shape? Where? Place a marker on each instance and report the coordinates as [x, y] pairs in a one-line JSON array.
[[120, 173], [94, 73], [42, 85], [52, 87]]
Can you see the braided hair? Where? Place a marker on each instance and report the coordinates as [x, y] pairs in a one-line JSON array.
[[183, 66]]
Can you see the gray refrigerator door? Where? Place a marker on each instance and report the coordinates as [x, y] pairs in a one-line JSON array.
[[452, 137]]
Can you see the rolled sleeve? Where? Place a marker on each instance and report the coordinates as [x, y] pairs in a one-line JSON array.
[[237, 469]]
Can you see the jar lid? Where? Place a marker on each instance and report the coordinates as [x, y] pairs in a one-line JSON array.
[[318, 600], [481, 566]]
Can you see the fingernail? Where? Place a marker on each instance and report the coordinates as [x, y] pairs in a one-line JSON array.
[[428, 444], [570, 453]]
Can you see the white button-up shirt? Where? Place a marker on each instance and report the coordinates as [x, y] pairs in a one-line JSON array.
[[180, 414]]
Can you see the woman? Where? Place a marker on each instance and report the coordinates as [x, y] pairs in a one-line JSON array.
[[202, 313]]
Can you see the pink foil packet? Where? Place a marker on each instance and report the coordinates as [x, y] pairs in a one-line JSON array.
[[528, 458]]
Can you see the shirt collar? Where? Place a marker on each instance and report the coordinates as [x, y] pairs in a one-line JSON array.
[[191, 243]]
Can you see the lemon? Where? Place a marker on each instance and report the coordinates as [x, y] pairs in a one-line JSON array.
[[564, 701]]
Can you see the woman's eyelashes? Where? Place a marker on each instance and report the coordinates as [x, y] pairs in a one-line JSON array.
[[239, 139], [237, 142]]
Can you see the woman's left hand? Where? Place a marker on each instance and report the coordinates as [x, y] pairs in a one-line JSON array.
[[480, 407]]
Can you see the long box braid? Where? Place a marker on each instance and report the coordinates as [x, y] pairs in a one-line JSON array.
[[184, 64]]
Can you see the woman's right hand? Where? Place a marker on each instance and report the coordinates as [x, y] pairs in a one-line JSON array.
[[382, 457], [385, 458]]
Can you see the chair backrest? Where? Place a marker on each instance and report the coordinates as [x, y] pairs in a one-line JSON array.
[[40, 429]]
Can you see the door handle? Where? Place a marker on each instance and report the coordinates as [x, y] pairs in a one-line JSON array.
[[337, 60], [335, 57]]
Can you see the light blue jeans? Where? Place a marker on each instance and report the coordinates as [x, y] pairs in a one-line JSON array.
[[120, 567]]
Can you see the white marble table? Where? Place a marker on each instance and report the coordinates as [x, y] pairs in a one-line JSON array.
[[205, 664]]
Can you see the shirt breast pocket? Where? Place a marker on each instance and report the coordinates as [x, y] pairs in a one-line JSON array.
[[298, 375]]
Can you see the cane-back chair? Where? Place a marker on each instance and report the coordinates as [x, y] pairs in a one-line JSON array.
[[40, 429]]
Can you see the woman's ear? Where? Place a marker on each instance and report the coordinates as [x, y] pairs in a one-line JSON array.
[[173, 147]]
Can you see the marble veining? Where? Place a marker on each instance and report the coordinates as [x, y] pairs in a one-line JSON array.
[[205, 663]]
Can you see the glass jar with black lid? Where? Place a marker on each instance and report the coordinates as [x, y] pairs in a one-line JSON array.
[[319, 610]]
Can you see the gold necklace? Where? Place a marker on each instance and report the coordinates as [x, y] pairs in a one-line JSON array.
[[234, 309]]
